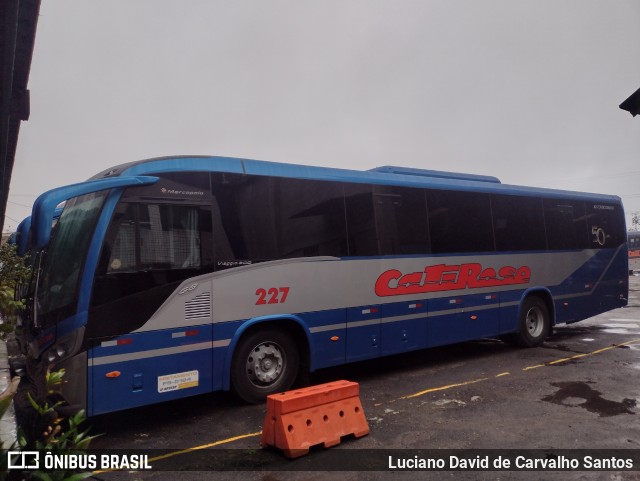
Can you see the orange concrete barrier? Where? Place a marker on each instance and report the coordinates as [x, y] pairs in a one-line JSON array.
[[322, 414]]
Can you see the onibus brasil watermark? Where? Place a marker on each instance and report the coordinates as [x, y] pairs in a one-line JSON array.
[[44, 460]]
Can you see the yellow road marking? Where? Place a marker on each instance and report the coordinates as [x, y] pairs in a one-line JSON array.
[[443, 388], [592, 353], [205, 446], [528, 368], [189, 450]]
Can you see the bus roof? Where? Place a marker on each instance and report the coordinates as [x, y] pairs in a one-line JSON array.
[[387, 175], [437, 174], [142, 173]]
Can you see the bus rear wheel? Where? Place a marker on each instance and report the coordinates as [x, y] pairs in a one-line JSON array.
[[534, 324], [265, 362]]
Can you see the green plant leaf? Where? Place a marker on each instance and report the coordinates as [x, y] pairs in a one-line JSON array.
[[78, 477], [42, 476]]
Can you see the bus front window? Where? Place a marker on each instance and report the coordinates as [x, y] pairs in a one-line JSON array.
[[58, 280]]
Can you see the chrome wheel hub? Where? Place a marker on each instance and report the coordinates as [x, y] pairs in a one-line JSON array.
[[265, 363], [534, 322]]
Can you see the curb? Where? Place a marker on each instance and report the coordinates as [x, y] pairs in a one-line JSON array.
[[5, 372]]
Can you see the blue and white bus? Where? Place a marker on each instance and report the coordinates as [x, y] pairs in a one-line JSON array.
[[172, 277]]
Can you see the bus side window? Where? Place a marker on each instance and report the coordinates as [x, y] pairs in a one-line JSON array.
[[311, 219], [459, 221], [259, 219], [244, 224], [121, 251], [401, 220], [566, 224], [152, 245], [169, 237], [606, 225], [518, 223], [361, 226]]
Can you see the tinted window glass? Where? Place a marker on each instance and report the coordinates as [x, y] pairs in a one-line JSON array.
[[401, 219], [361, 226], [122, 252], [260, 218], [156, 236], [149, 245], [566, 224], [243, 219], [518, 223], [169, 237], [606, 224], [311, 219], [60, 275], [459, 222]]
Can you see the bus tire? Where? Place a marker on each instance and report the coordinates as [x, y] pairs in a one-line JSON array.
[[534, 324], [265, 362]]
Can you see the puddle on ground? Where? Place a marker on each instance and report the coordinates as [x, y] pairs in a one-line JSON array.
[[573, 331], [616, 331], [580, 394]]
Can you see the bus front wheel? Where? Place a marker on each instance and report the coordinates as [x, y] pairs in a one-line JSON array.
[[534, 324], [265, 362]]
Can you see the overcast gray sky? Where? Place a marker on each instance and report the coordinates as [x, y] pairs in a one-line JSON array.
[[524, 90]]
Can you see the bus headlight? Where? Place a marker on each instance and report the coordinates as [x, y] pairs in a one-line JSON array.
[[56, 353], [52, 356], [65, 347], [61, 350]]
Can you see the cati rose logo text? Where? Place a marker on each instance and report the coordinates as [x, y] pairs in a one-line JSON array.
[[443, 277]]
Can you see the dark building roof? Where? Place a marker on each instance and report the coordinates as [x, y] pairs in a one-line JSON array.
[[632, 104], [18, 22]]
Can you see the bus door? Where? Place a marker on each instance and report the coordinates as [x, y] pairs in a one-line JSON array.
[[150, 324], [145, 368]]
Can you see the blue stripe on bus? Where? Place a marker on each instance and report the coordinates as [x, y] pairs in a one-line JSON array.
[[146, 341]]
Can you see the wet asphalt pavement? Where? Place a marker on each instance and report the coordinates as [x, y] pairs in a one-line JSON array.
[[580, 390]]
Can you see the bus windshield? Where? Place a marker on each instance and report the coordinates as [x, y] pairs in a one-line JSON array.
[[60, 270]]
